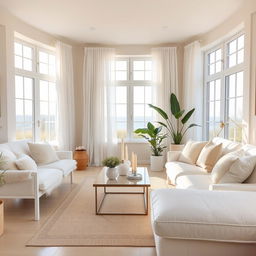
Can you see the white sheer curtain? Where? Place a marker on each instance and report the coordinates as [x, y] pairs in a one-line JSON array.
[[193, 87], [65, 94], [99, 136], [165, 76]]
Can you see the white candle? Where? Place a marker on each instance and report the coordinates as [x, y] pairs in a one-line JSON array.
[[133, 163], [122, 149], [126, 153]]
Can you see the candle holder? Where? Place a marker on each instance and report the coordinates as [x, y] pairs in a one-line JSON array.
[[134, 175], [123, 168]]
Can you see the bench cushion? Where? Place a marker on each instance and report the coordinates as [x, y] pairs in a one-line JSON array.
[[204, 215], [49, 178], [194, 182], [176, 169], [64, 165]]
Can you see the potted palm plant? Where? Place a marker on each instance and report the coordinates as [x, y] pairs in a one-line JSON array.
[[176, 130], [155, 138]]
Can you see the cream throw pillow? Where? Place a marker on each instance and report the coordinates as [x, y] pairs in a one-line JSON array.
[[240, 170], [42, 153], [191, 151], [9, 160], [209, 156], [26, 163]]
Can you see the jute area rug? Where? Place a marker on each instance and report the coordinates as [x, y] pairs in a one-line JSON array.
[[74, 223]]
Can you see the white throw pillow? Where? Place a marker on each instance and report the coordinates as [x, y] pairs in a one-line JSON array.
[[191, 151], [42, 153], [9, 160], [209, 156], [240, 170], [26, 163], [223, 165]]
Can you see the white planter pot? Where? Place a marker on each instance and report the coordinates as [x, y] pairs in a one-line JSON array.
[[112, 173], [123, 169], [176, 147], [156, 163]]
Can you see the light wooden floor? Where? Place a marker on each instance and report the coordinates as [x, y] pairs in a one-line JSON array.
[[20, 226]]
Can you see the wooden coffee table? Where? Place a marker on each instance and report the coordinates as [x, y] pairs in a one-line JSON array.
[[102, 181]]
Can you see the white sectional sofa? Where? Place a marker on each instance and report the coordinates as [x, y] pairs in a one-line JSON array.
[[29, 184], [201, 218]]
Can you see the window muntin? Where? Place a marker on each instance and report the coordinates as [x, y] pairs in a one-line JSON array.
[[224, 89], [36, 104], [133, 94]]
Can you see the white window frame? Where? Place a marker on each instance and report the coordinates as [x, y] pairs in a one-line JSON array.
[[130, 83], [36, 76], [225, 72]]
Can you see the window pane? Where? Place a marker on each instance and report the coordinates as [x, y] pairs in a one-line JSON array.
[[121, 112], [217, 89], [138, 125], [212, 69], [121, 75], [121, 65], [27, 64], [43, 68], [27, 52], [19, 131], [148, 65], [232, 60], [232, 47], [211, 111], [138, 65], [212, 57], [28, 87], [138, 110], [148, 75], [52, 92], [232, 85], [148, 94], [239, 109], [212, 96], [121, 127], [138, 94], [121, 94], [28, 111], [43, 57], [18, 62], [148, 114], [44, 111], [52, 111], [240, 42], [217, 111], [19, 111], [232, 109], [240, 56], [218, 66], [19, 86], [43, 90], [138, 75], [18, 49], [240, 82], [44, 131], [218, 55], [52, 60]]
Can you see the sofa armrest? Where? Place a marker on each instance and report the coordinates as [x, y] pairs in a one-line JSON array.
[[173, 156], [233, 187], [14, 176], [64, 154]]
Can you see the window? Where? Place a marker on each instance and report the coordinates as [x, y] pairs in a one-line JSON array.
[[133, 94], [35, 92], [224, 79]]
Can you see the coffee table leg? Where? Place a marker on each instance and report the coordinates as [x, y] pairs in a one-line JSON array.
[[96, 201]]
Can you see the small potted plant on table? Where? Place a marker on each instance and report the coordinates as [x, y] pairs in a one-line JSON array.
[[155, 138], [111, 163]]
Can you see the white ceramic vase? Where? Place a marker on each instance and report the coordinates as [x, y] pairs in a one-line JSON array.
[[156, 163], [123, 169], [112, 173], [176, 147]]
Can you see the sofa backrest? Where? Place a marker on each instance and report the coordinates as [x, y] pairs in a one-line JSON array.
[[251, 150], [227, 145]]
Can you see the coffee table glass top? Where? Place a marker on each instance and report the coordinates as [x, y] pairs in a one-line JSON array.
[[103, 180]]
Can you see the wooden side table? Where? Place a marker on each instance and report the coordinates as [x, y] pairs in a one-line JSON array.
[[81, 157]]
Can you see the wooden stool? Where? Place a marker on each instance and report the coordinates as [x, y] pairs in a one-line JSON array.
[[81, 157]]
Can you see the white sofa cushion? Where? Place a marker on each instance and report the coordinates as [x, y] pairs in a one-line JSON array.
[[176, 169], [240, 170], [42, 153], [191, 151], [209, 156], [227, 145], [65, 165], [204, 215], [19, 147], [49, 178], [194, 182], [26, 163]]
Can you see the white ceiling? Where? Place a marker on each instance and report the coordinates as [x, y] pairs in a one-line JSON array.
[[124, 21]]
